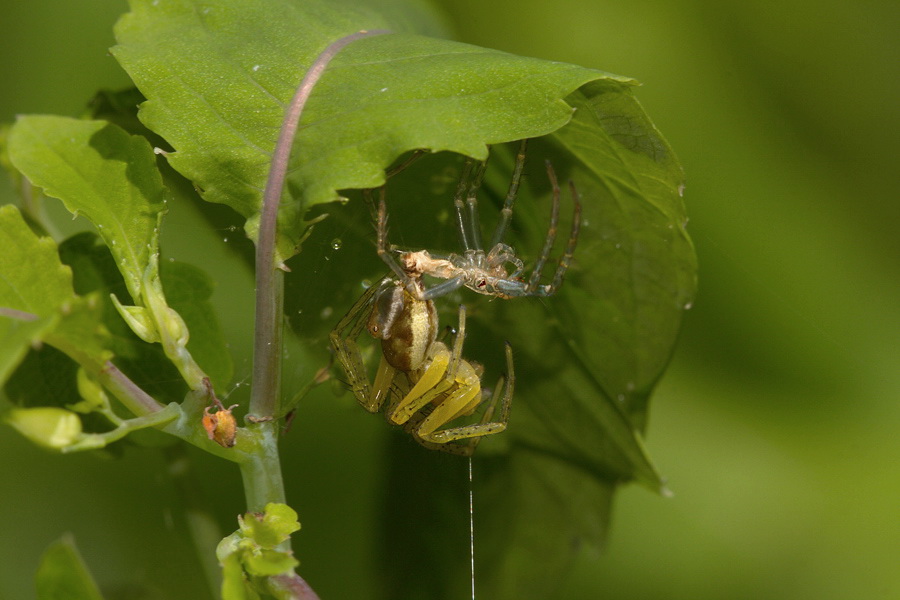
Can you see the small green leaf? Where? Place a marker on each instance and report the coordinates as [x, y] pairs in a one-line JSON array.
[[102, 173], [234, 583], [51, 427], [268, 562], [138, 319], [93, 396], [62, 574], [95, 273], [272, 527], [251, 554]]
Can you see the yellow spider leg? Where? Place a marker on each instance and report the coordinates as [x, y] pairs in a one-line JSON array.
[[467, 392], [489, 411], [418, 396], [468, 373], [468, 409], [381, 388], [441, 439], [447, 409]]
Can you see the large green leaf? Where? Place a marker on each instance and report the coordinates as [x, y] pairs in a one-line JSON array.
[[642, 269], [218, 76], [101, 172], [532, 514], [614, 323]]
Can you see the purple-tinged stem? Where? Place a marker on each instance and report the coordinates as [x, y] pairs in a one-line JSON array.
[[137, 400], [269, 276]]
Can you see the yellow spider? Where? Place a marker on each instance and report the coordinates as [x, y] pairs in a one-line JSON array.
[[421, 384]]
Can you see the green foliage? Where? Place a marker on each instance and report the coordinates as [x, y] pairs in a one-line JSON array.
[[256, 551], [51, 427], [217, 77], [101, 172], [218, 96], [189, 291], [37, 285], [63, 575], [109, 176]]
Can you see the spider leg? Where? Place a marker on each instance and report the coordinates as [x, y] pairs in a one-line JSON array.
[[447, 373], [413, 157], [511, 194], [473, 433], [343, 340], [535, 278], [458, 205], [456, 354], [570, 246], [381, 388], [466, 393], [381, 234], [430, 384], [445, 287], [472, 205], [370, 204]]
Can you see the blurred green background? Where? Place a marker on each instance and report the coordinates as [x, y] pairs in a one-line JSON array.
[[777, 422]]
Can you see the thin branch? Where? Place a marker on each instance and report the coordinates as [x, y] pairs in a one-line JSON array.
[[128, 392]]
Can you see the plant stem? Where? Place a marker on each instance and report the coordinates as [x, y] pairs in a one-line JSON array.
[[261, 474], [261, 471], [133, 397], [269, 275]]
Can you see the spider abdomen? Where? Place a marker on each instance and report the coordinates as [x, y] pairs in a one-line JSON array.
[[407, 326]]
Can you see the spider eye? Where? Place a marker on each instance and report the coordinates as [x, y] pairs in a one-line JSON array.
[[482, 283]]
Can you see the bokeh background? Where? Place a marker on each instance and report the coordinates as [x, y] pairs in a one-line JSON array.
[[777, 423]]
